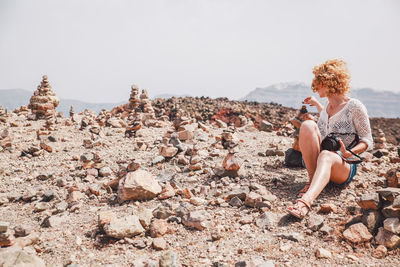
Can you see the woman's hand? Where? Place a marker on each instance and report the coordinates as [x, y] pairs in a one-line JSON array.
[[312, 101], [344, 151]]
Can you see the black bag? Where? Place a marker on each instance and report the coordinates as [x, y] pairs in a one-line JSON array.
[[293, 158]]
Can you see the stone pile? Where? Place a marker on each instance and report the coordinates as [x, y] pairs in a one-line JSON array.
[[43, 103], [380, 140], [139, 111], [235, 113], [145, 103], [22, 110], [231, 164], [379, 217], [134, 102]]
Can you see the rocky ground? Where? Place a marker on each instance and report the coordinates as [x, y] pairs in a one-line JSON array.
[[76, 191]]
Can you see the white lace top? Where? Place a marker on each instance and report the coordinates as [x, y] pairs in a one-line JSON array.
[[352, 118]]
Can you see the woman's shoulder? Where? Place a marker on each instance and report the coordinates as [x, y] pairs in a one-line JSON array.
[[355, 103]]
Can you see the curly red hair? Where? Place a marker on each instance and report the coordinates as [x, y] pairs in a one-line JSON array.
[[334, 75]]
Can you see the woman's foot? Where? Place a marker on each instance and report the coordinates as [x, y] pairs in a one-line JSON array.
[[304, 190], [300, 209]]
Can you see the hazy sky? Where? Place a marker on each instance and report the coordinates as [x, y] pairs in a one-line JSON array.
[[95, 50]]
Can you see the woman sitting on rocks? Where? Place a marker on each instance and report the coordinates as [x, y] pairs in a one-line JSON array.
[[342, 114]]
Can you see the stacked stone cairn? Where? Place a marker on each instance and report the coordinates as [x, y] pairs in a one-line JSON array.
[[380, 146], [43, 103], [380, 141], [230, 165], [134, 120], [71, 111], [145, 103]]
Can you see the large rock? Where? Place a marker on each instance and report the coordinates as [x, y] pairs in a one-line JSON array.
[[240, 192], [393, 177], [199, 219], [372, 219], [388, 239], [138, 185], [185, 135], [266, 126], [323, 253], [15, 257], [158, 228], [391, 211], [315, 222], [231, 162], [268, 220], [369, 201], [389, 193], [128, 226], [168, 151], [357, 233], [392, 225]]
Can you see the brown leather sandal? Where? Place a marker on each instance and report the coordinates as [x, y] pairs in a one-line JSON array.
[[299, 211], [304, 190]]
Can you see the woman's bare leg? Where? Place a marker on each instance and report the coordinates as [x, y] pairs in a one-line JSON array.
[[330, 167], [309, 142]]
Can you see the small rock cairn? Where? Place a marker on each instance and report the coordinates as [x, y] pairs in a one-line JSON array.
[[380, 141], [140, 111], [231, 164], [43, 103]]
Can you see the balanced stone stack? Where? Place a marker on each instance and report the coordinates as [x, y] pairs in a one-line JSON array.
[[134, 102], [145, 103], [148, 115], [380, 141], [43, 103], [133, 108], [71, 111]]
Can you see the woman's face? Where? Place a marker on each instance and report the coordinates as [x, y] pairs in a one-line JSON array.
[[321, 90]]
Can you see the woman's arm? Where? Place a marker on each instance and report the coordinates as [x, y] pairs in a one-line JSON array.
[[361, 124], [312, 101], [358, 149]]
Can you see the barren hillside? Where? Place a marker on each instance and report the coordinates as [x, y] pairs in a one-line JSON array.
[[185, 182]]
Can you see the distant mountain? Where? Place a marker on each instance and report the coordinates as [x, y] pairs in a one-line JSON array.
[[379, 104], [14, 98]]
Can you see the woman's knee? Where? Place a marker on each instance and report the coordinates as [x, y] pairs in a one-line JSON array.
[[308, 127], [326, 156]]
